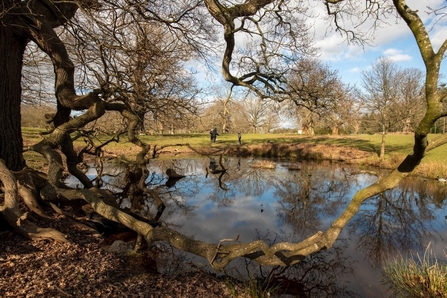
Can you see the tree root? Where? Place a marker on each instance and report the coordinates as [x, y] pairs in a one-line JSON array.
[[13, 215]]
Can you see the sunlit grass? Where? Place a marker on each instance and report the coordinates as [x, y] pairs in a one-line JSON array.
[[252, 288], [417, 276], [398, 146], [263, 164]]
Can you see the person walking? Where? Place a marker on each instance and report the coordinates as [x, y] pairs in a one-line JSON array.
[[239, 138], [214, 135]]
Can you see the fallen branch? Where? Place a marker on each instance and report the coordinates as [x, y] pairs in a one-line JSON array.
[[218, 246]]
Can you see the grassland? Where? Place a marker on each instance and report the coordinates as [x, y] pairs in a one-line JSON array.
[[360, 149]]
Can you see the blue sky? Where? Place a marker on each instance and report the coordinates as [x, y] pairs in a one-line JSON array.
[[394, 41]]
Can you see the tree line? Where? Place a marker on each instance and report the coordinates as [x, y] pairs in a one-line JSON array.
[[387, 102]]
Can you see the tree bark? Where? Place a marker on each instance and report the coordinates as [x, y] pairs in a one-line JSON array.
[[382, 145], [11, 52], [22, 21]]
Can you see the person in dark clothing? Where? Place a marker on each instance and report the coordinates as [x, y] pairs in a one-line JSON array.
[[211, 134], [239, 138], [214, 135]]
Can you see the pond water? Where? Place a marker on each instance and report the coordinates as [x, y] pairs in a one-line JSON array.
[[291, 202]]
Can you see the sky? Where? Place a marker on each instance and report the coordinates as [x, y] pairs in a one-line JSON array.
[[395, 42]]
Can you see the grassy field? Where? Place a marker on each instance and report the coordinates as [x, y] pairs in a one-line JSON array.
[[397, 146]]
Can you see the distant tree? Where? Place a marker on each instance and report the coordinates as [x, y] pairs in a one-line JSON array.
[[344, 113], [368, 123], [110, 123], [394, 96], [273, 118], [317, 93], [260, 114], [213, 114], [240, 118], [381, 95], [226, 114]]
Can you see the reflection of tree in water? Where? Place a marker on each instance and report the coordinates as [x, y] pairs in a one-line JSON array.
[[323, 274], [176, 196], [203, 173], [145, 203], [239, 178], [309, 198], [393, 221], [218, 171], [251, 181], [427, 190]]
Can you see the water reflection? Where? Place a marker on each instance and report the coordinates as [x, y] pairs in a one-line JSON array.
[[289, 205], [319, 275], [309, 198], [394, 221]]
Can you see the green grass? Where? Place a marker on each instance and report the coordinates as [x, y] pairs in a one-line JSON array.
[[397, 146], [395, 143]]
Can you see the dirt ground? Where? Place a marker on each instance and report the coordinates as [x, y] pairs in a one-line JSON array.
[[85, 268]]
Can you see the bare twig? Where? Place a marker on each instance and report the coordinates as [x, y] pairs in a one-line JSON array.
[[220, 243]]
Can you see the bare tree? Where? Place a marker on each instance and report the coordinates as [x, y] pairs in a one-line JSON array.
[[37, 78], [394, 96], [259, 113], [316, 93], [381, 95], [141, 63], [412, 99], [344, 114]]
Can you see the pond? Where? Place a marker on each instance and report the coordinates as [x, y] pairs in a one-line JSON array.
[[292, 201]]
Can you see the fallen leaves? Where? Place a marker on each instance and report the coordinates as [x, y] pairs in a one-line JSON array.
[[84, 269]]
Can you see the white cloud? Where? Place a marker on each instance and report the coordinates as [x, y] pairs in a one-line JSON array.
[[355, 53], [396, 55], [438, 37], [332, 48]]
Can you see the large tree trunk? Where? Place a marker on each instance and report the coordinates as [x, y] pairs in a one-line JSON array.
[[11, 52]]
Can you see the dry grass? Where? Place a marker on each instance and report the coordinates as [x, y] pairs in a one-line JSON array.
[[263, 164], [417, 276], [431, 169]]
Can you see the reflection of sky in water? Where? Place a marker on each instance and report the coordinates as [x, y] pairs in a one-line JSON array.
[[212, 222], [258, 202]]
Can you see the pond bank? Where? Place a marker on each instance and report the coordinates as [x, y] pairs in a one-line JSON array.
[[303, 151]]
